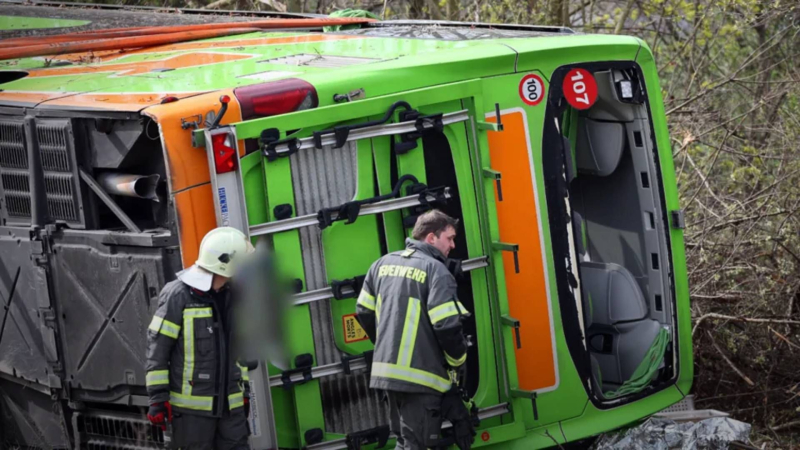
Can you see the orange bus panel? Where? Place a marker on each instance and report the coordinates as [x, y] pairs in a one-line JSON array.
[[187, 166], [195, 212], [519, 223]]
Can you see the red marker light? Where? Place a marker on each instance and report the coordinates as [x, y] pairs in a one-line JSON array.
[[169, 99], [223, 154], [276, 97], [485, 436]]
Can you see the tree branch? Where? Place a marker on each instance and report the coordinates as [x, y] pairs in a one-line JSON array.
[[730, 363], [741, 319]]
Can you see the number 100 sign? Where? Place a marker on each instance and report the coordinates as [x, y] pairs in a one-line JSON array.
[[531, 89], [580, 88]]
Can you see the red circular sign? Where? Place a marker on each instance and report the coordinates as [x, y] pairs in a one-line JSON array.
[[485, 436], [580, 88], [531, 89]]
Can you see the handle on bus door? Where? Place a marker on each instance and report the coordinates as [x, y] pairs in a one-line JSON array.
[[533, 395], [506, 247], [512, 322], [496, 176], [497, 125]]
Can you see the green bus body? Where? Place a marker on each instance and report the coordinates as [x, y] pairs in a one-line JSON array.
[[433, 76]]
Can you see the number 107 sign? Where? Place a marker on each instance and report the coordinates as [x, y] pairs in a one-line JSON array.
[[531, 89], [580, 88]]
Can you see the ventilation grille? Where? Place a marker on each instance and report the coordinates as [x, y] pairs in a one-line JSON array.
[[14, 170], [323, 61], [53, 147], [17, 193], [98, 431], [56, 149], [59, 181], [687, 404], [322, 179], [12, 145]]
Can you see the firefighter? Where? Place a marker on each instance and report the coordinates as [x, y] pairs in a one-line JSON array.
[[197, 390], [409, 309]]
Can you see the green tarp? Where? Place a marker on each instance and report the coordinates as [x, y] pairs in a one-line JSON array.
[[647, 369]]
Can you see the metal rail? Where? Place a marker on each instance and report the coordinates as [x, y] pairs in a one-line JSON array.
[[370, 132], [305, 298], [318, 372], [374, 208]]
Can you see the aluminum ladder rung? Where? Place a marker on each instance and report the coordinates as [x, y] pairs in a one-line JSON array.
[[304, 298], [371, 132], [373, 208], [320, 372]]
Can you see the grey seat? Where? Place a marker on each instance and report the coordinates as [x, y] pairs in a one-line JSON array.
[[619, 334], [599, 147]]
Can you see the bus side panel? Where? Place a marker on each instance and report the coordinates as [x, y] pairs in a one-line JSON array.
[[519, 159], [669, 182]]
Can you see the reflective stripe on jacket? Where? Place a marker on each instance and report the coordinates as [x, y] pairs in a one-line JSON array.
[[188, 357], [409, 308]]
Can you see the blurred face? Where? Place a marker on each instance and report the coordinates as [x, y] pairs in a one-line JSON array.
[[445, 242], [219, 282]]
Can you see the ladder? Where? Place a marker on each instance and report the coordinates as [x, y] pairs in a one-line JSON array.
[[229, 205]]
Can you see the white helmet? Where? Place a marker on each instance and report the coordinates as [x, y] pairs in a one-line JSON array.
[[221, 252]]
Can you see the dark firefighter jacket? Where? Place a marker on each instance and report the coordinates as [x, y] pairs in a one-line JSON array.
[[409, 309], [188, 353]]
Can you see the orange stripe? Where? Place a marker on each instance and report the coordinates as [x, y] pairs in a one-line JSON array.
[[29, 98], [105, 55], [246, 42], [116, 102], [143, 31], [134, 68], [519, 223], [60, 48]]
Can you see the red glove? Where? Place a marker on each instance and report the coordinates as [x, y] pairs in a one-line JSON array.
[[160, 414]]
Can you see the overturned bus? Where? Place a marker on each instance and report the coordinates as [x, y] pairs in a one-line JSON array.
[[550, 146]]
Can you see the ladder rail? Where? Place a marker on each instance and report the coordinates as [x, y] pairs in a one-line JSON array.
[[366, 133], [374, 208], [231, 210], [305, 298], [227, 188]]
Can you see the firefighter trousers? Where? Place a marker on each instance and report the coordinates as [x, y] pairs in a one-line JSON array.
[[415, 419], [230, 432]]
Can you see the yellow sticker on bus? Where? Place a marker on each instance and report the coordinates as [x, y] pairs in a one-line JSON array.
[[352, 329]]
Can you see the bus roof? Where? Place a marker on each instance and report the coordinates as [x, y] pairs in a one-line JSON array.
[[133, 80]]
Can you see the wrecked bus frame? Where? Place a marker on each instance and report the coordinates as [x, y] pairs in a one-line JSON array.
[[570, 231]]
